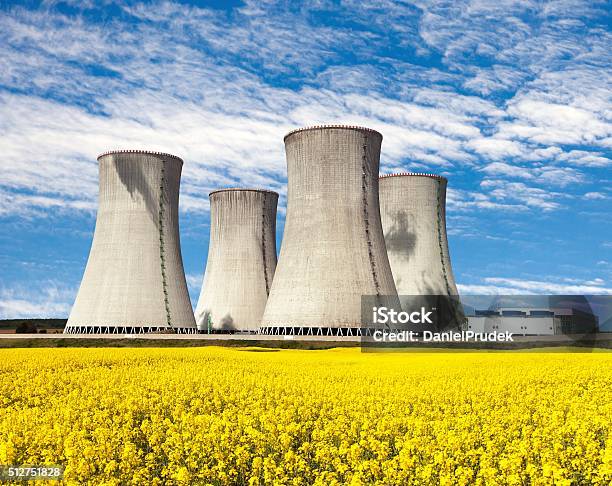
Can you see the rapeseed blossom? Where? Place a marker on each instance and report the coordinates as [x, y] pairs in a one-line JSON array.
[[230, 416]]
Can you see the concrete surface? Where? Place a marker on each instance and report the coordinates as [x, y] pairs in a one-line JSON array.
[[333, 249], [134, 276], [413, 213], [241, 259]]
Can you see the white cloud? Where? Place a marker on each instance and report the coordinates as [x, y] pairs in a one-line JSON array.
[[595, 195], [460, 200], [519, 195], [496, 148], [202, 83], [483, 289], [48, 299], [552, 123], [30, 206], [495, 79], [194, 281], [585, 159], [547, 287], [551, 285], [547, 174]]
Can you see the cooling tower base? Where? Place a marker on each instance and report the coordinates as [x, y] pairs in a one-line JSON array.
[[314, 331], [127, 330]]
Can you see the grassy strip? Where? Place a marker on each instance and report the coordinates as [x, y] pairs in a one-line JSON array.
[[165, 343], [585, 346]]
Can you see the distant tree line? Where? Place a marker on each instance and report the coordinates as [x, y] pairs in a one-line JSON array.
[[32, 326]]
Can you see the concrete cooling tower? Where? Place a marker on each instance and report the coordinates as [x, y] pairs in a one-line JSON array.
[[333, 249], [413, 212], [134, 281], [241, 260]]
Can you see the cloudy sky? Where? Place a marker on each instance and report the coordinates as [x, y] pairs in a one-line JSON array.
[[510, 100]]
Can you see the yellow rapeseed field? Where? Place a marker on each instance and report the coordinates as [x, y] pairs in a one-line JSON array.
[[233, 416]]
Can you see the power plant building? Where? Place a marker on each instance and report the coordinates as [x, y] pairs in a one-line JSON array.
[[533, 322], [241, 260], [333, 249], [134, 280]]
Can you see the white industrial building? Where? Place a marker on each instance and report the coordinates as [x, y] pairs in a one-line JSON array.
[[533, 322]]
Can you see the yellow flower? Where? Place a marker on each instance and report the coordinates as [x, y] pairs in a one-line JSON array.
[[225, 416]]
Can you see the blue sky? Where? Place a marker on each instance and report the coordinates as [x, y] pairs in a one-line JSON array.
[[509, 100]]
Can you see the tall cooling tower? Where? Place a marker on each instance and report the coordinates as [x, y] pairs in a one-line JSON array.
[[333, 249], [413, 212], [134, 281], [241, 260]]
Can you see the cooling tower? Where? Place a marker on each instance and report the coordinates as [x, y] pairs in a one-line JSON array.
[[413, 212], [241, 260], [134, 281], [333, 249]]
